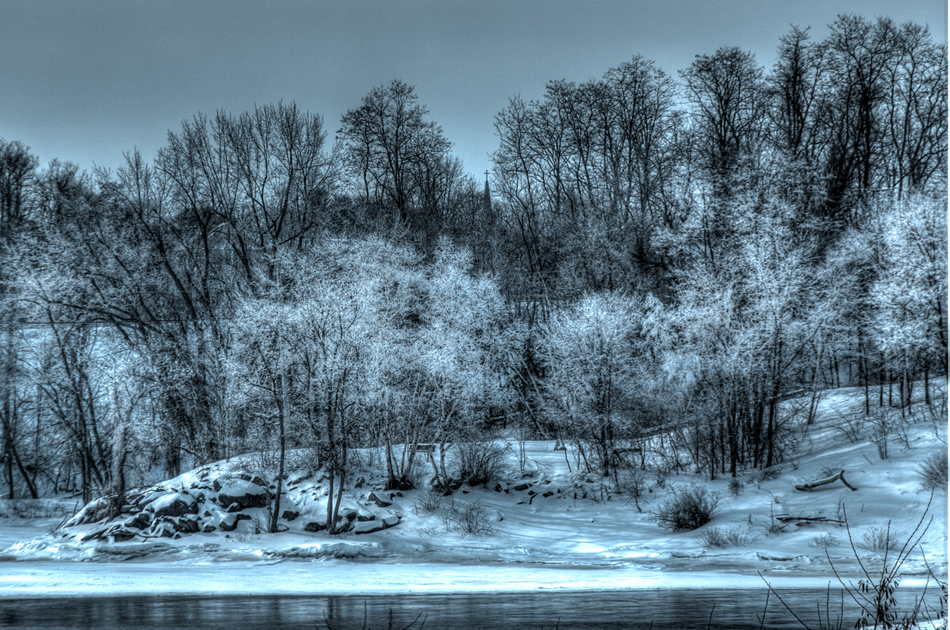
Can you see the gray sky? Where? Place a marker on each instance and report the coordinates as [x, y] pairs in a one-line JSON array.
[[86, 80]]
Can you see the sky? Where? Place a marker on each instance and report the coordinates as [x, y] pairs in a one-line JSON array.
[[88, 81]]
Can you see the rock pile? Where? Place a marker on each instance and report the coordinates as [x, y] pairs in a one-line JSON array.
[[169, 512], [208, 505]]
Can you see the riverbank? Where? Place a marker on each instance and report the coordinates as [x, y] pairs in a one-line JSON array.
[[542, 526]]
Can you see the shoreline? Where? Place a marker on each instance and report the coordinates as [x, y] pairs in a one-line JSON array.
[[38, 580]]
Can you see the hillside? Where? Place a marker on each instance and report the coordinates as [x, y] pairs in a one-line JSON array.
[[547, 516]]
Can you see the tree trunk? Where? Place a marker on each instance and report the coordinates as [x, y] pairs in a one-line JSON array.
[[339, 499], [331, 526], [283, 453]]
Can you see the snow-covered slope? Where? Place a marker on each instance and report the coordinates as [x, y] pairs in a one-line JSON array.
[[545, 515]]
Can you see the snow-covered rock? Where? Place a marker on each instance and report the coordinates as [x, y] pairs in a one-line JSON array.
[[177, 504], [243, 489]]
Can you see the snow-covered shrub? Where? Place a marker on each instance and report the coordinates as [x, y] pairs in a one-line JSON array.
[[633, 483], [480, 463], [761, 475], [721, 537], [824, 541], [428, 503], [933, 472], [736, 486], [877, 539], [467, 518], [689, 507]]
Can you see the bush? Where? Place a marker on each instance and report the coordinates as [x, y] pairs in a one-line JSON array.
[[761, 475], [721, 537], [877, 539], [736, 486], [480, 463], [688, 508], [823, 541], [429, 503], [633, 483], [467, 518], [933, 472]]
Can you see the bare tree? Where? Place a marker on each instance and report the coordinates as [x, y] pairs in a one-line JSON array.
[[728, 96], [399, 158], [17, 171]]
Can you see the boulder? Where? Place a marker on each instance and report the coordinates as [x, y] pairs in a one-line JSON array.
[[343, 527], [188, 524], [230, 522], [289, 515], [365, 516], [378, 501], [245, 490], [177, 504], [162, 528], [314, 527], [368, 527], [141, 521], [148, 496], [235, 478], [121, 534]]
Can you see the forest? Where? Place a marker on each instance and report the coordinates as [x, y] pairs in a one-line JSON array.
[[652, 254]]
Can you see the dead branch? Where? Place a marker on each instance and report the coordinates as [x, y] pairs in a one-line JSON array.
[[808, 487]]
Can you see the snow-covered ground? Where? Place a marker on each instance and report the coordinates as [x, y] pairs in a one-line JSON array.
[[558, 541]]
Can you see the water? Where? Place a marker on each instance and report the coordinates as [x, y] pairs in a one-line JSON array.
[[664, 609]]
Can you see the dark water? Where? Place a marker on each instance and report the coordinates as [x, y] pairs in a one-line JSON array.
[[663, 609]]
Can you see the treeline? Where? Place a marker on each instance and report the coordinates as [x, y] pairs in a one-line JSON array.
[[656, 257]]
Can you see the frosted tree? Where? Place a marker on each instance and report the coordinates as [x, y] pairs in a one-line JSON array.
[[467, 352], [910, 294], [746, 314], [300, 358], [595, 353], [440, 359]]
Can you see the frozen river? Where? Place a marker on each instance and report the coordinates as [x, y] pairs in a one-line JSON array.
[[240, 594], [683, 609]]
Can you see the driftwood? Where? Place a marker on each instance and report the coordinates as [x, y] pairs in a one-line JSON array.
[[804, 520], [808, 487]]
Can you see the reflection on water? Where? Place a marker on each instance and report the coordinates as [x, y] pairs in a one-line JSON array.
[[632, 609]]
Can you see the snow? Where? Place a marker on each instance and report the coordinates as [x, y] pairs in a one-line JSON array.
[[561, 541], [247, 576]]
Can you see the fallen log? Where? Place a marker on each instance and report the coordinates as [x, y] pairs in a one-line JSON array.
[[802, 520], [808, 487]]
